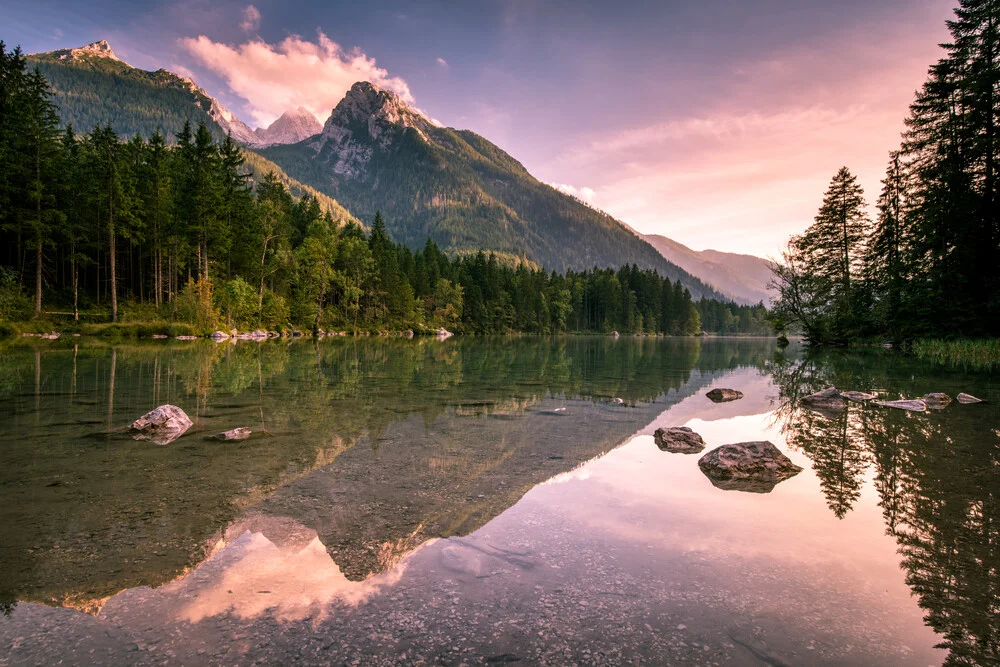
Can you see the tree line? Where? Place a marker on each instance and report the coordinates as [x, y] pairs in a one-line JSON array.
[[179, 229], [928, 264]]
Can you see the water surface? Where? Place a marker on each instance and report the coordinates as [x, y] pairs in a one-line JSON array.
[[489, 501]]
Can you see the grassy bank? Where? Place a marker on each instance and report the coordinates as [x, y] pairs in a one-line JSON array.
[[982, 354]]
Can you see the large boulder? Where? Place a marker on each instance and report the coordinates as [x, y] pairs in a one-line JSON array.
[[915, 405], [747, 466], [936, 401], [825, 400], [967, 399], [219, 336], [162, 425], [680, 440], [722, 395]]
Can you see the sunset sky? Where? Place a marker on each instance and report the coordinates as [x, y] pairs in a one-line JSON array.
[[718, 124]]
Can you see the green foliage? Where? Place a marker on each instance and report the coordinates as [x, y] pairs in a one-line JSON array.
[[238, 302], [14, 305], [963, 353], [194, 304]]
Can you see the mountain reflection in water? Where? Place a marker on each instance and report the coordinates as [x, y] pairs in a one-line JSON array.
[[483, 500]]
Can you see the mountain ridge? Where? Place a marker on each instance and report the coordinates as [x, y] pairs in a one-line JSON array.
[[377, 153]]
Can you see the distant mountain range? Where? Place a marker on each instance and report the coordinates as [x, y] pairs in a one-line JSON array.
[[374, 153], [743, 278]]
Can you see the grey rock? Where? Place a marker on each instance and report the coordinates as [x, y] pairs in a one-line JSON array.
[[162, 425], [967, 399], [680, 440], [724, 395], [219, 336], [937, 401], [241, 433], [186, 337], [916, 405], [858, 396], [747, 466]]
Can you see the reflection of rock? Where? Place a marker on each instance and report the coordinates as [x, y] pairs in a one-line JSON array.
[[219, 336], [443, 333], [287, 534], [681, 440], [747, 466], [967, 399], [723, 395], [162, 425], [241, 433], [858, 396], [937, 401], [463, 560], [916, 405], [826, 399]]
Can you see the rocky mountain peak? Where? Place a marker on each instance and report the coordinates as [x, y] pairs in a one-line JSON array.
[[98, 49], [292, 127], [366, 103]]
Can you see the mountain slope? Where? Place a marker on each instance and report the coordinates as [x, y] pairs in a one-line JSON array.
[[377, 153], [741, 277], [92, 86]]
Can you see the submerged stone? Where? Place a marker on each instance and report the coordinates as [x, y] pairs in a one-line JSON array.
[[936, 401], [967, 399], [680, 440], [722, 395], [162, 425], [828, 399], [858, 396], [241, 433], [915, 405], [747, 466]]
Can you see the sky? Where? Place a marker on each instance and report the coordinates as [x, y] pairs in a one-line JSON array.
[[717, 123]]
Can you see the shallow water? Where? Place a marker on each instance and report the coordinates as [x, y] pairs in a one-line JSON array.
[[488, 501]]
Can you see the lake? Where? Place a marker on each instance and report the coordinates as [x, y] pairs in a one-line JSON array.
[[492, 501]]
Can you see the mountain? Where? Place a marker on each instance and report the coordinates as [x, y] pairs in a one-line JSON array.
[[92, 86], [740, 277], [292, 127], [376, 153]]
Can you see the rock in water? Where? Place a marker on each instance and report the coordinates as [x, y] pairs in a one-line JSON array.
[[241, 433], [680, 440], [724, 395], [825, 399], [936, 401], [747, 466], [857, 396], [162, 425], [916, 405], [219, 336], [966, 399]]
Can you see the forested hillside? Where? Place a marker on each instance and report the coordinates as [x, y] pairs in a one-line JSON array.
[[457, 188], [104, 227]]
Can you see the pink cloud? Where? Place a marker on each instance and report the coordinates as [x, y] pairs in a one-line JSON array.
[[292, 73]]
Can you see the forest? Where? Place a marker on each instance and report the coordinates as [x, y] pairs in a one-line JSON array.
[[99, 228], [927, 266]]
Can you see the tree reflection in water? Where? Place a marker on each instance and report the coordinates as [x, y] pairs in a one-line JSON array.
[[937, 476]]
